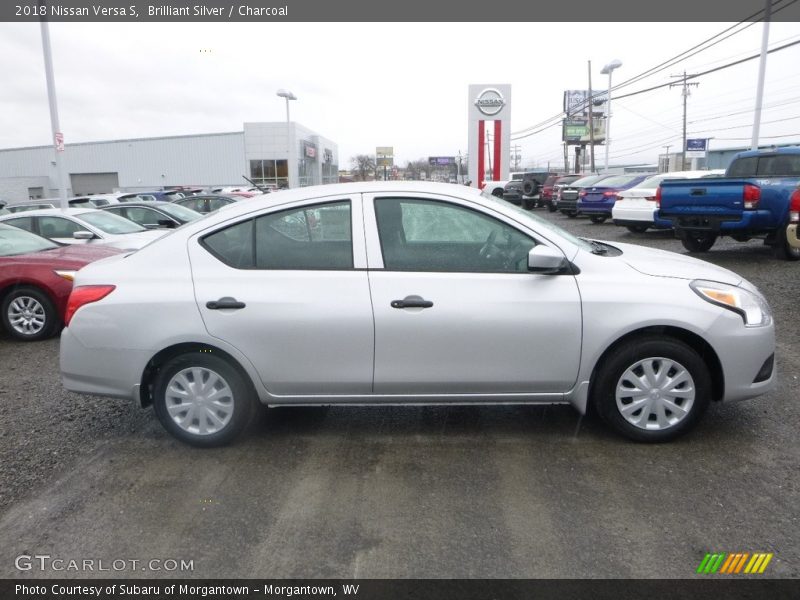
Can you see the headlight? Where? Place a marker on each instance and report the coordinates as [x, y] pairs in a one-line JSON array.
[[754, 310]]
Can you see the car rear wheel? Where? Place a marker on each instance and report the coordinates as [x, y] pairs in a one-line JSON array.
[[698, 241], [29, 315], [637, 228], [202, 400], [597, 219], [571, 214], [652, 389], [551, 207], [783, 250]]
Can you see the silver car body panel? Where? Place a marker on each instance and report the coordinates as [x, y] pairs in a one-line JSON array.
[[332, 338]]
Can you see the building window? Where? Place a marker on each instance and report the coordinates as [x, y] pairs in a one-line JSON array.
[[269, 172]]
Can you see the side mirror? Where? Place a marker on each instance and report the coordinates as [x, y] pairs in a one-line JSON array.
[[83, 235], [166, 223], [546, 261]]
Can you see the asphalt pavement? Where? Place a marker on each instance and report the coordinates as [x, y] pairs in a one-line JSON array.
[[438, 492]]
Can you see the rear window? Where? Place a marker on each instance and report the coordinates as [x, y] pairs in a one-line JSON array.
[[775, 165], [585, 181], [619, 181]]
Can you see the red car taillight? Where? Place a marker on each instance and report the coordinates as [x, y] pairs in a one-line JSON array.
[[794, 207], [582, 193], [751, 196], [658, 197], [85, 294]]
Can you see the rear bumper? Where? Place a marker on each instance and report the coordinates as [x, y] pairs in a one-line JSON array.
[[634, 215], [720, 222], [595, 208]]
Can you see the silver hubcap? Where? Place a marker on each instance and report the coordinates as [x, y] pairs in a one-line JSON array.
[[26, 315], [655, 393], [199, 400]]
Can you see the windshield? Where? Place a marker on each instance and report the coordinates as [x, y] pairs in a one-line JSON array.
[[109, 223], [181, 212], [15, 241], [538, 222]]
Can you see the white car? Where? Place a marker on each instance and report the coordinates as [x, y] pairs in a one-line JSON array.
[[84, 226], [388, 293], [635, 207]]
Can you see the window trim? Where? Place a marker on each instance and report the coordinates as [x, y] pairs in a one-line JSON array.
[[305, 205], [421, 197]]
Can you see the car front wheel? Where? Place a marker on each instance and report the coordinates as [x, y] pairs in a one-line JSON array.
[[29, 315], [652, 389], [202, 400]]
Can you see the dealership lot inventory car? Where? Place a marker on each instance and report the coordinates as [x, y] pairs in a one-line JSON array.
[[154, 214], [207, 204], [35, 281], [84, 226], [396, 292], [597, 200], [635, 207], [569, 194]]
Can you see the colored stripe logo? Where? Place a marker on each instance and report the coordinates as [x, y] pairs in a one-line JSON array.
[[734, 563]]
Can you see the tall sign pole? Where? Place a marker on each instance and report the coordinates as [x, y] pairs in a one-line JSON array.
[[591, 122], [762, 69], [58, 137]]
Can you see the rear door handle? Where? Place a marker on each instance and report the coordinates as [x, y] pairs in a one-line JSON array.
[[412, 302], [226, 302]]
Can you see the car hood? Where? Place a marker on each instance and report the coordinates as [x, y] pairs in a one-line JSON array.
[[661, 263]]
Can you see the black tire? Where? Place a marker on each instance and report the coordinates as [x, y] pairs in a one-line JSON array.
[[497, 192], [611, 374], [698, 241], [527, 203], [637, 228], [572, 214], [43, 320], [529, 188], [551, 207], [782, 250], [241, 399], [597, 219]]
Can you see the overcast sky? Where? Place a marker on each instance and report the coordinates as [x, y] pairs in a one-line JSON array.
[[388, 84]]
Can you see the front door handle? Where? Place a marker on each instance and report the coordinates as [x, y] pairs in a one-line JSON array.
[[226, 302], [412, 302]]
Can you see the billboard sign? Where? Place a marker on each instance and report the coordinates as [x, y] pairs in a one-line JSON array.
[[384, 156], [576, 131], [441, 161], [576, 103], [696, 147]]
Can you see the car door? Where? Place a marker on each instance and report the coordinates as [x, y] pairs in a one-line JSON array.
[[289, 289], [456, 309]]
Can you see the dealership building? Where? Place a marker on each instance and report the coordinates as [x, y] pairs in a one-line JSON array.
[[259, 152]]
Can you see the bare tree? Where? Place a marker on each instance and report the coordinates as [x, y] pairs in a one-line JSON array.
[[363, 166], [417, 167]]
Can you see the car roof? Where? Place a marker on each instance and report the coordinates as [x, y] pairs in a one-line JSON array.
[[141, 203], [58, 212]]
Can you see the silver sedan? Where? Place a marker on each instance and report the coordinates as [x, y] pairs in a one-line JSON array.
[[396, 292]]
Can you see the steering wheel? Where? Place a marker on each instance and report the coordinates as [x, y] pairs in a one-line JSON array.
[[489, 249]]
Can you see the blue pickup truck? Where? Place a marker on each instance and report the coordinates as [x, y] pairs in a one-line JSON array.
[[751, 201]]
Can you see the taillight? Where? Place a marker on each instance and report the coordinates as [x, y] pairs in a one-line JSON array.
[[582, 193], [610, 195], [751, 196], [658, 197], [794, 207], [85, 294]]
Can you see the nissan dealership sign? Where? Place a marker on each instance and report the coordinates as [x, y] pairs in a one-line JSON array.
[[490, 102]]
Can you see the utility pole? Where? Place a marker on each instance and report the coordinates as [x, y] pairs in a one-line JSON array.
[[667, 147], [591, 120], [58, 137], [685, 93], [566, 158], [516, 148]]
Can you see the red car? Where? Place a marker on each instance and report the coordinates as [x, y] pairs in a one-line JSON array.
[[36, 280]]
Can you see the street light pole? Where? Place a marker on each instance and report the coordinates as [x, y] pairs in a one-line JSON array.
[[287, 95], [58, 138], [608, 69]]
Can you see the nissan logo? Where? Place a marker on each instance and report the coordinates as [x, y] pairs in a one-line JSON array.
[[490, 101]]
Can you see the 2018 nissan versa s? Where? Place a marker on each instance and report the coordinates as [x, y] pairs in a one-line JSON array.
[[396, 292]]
